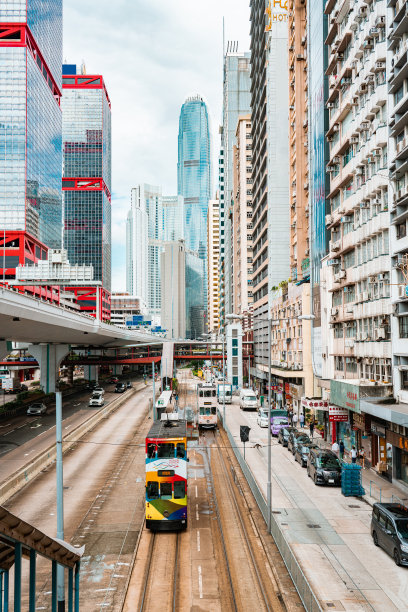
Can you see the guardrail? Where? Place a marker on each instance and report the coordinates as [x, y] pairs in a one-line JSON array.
[[373, 487], [299, 579]]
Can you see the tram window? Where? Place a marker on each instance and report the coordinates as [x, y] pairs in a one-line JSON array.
[[213, 410], [152, 490], [151, 451], [214, 393], [201, 411], [181, 450], [165, 450], [165, 490], [207, 411], [201, 393], [179, 489]]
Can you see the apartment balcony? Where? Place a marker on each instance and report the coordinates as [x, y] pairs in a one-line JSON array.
[[377, 265]]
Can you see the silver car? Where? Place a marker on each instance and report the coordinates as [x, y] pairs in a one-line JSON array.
[[37, 408]]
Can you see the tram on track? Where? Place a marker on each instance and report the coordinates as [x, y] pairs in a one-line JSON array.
[[166, 475], [207, 405]]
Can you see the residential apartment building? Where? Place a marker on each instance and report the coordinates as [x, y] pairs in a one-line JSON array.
[[30, 133], [173, 287], [236, 102], [359, 264], [137, 240], [213, 249], [298, 142], [242, 218], [221, 277], [86, 182]]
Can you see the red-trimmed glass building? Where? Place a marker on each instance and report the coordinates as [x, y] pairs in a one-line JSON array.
[[30, 131], [86, 182]]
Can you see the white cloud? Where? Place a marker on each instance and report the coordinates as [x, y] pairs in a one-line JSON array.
[[152, 55]]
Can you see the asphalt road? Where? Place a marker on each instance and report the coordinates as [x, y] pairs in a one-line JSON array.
[[19, 429]]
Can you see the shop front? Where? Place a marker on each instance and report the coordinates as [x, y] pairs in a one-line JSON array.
[[345, 402], [362, 428], [317, 409], [399, 446], [381, 450], [295, 392]]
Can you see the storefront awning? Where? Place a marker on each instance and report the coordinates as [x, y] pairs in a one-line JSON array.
[[394, 413]]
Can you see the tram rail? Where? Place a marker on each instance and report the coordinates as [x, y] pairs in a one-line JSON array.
[[153, 588]]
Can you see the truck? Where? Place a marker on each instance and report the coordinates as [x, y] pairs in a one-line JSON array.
[[10, 385], [224, 393]]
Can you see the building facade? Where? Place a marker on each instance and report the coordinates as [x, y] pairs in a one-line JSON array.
[[173, 287], [30, 131], [242, 218], [137, 239], [221, 277], [213, 247], [86, 183], [195, 310], [125, 307], [236, 102]]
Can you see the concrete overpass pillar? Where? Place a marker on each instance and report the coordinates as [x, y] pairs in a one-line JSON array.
[[5, 348], [49, 357]]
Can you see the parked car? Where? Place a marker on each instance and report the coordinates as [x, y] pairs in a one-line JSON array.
[[294, 438], [37, 408], [277, 423], [302, 452], [262, 418], [324, 467], [114, 380], [120, 388], [128, 384], [283, 435], [389, 529], [248, 399], [97, 399]]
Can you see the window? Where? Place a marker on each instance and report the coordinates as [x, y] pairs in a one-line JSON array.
[[179, 489], [399, 94], [401, 230], [152, 490], [181, 450], [404, 380], [151, 450], [165, 450], [165, 490], [403, 327]]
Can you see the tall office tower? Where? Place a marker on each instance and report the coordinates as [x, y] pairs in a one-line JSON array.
[[173, 287], [173, 218], [242, 219], [194, 176], [195, 313], [152, 197], [270, 164], [236, 102], [397, 159], [298, 138], [318, 158], [358, 276], [213, 247], [137, 246], [221, 189], [86, 182], [30, 131]]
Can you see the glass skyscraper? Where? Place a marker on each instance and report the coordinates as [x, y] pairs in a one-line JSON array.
[[194, 178], [30, 129], [86, 183]]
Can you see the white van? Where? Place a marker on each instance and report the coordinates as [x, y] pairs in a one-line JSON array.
[[248, 399]]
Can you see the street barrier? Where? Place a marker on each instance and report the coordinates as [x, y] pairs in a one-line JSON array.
[[300, 581]]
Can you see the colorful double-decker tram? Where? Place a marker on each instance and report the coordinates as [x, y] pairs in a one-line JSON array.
[[166, 475]]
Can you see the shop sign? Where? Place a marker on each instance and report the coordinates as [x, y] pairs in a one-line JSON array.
[[362, 421], [315, 404], [295, 391], [345, 395], [275, 387], [397, 440], [287, 389], [337, 414], [378, 429]]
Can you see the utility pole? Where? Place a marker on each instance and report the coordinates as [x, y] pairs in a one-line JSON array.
[[60, 497]]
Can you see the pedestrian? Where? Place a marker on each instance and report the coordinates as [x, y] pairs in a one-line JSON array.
[[361, 456], [336, 448], [290, 417], [294, 419], [311, 427], [353, 454], [302, 420], [341, 449]]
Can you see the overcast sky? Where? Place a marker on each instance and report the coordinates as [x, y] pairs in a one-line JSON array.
[[152, 54]]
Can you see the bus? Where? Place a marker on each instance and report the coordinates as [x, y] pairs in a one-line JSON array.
[[163, 403], [166, 475], [207, 405]]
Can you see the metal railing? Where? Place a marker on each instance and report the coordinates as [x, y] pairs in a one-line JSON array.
[[299, 579], [373, 487]]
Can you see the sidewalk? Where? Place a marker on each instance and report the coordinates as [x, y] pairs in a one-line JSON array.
[[376, 487], [329, 534]]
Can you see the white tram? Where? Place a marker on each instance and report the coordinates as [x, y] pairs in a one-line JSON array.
[[207, 405]]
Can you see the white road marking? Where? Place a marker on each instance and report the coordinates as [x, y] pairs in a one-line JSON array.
[[200, 582], [198, 541], [196, 491], [197, 515]]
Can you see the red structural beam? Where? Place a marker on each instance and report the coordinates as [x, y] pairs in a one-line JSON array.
[[85, 184], [85, 81]]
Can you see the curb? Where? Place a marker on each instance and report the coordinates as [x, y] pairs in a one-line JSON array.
[[26, 473]]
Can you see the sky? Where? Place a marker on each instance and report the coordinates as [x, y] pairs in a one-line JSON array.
[[152, 54]]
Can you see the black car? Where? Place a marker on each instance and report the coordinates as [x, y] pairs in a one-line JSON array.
[[128, 384], [283, 435], [120, 388], [389, 528], [296, 437], [302, 452], [324, 467]]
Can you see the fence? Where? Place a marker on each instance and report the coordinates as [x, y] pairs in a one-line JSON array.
[[300, 581]]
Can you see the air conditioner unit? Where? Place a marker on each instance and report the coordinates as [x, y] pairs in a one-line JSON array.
[[349, 342], [365, 296], [335, 246], [374, 31], [334, 312], [330, 105], [340, 56], [328, 219], [307, 252], [362, 11], [359, 170], [382, 276], [365, 125], [363, 87], [336, 159], [380, 334], [380, 65], [349, 309], [370, 78], [380, 20], [342, 274], [354, 140], [336, 127], [354, 26]]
